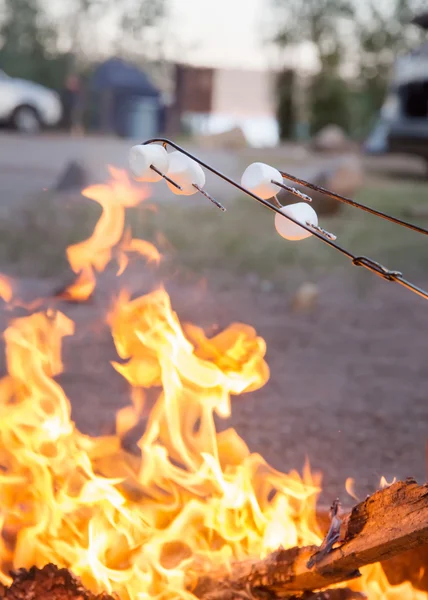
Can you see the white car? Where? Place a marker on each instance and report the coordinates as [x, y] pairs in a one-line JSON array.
[[28, 106]]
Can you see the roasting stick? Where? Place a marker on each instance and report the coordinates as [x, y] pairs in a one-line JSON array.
[[357, 260], [350, 202], [184, 176]]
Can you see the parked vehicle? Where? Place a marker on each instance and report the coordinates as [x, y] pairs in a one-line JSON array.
[[402, 126], [27, 106]]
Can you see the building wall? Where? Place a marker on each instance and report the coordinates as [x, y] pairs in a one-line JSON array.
[[194, 89], [243, 93], [215, 100]]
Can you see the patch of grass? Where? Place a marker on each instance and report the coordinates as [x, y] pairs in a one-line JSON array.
[[242, 240], [34, 238]]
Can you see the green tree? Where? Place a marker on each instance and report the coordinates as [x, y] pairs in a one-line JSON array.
[[319, 23], [384, 31], [315, 21], [285, 106], [367, 44], [28, 43], [330, 101]]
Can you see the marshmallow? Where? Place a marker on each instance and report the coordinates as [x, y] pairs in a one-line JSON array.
[[258, 179], [142, 156], [184, 171], [301, 212]]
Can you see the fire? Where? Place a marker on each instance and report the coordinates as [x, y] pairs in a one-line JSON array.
[[377, 587], [384, 483], [350, 488], [192, 499], [6, 289], [96, 252]]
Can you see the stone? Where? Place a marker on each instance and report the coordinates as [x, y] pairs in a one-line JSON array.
[[233, 139], [306, 298], [344, 176], [267, 286], [331, 138], [73, 178]]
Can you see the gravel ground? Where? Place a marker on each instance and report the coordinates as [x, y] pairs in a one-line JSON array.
[[348, 380]]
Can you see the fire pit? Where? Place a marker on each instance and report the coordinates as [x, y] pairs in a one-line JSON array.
[[194, 513]]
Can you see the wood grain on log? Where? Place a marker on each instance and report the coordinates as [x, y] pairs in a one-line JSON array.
[[389, 522], [53, 583]]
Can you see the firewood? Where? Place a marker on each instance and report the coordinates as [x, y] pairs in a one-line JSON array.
[[49, 583], [389, 522], [53, 583]]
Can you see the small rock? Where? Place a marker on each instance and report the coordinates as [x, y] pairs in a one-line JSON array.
[[253, 279], [331, 138], [233, 139], [344, 176], [73, 177], [267, 286], [305, 298]]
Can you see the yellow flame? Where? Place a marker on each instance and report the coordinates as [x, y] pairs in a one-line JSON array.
[[129, 245], [384, 483], [350, 488], [193, 499], [6, 289], [96, 252], [376, 586], [82, 287]]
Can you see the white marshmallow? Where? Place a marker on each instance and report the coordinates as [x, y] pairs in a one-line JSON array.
[[258, 179], [301, 212], [142, 156], [184, 171]]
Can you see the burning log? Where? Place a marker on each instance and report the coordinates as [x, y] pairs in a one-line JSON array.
[[49, 583], [53, 583], [388, 523]]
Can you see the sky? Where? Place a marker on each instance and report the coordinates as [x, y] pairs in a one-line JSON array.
[[222, 33], [229, 34]]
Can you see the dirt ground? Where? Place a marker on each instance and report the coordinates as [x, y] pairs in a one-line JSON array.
[[348, 386]]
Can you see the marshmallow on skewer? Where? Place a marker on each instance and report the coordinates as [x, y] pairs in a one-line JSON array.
[[142, 157], [258, 179], [302, 212], [186, 172]]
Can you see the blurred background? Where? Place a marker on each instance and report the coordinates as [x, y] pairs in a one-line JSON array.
[[335, 91], [279, 70]]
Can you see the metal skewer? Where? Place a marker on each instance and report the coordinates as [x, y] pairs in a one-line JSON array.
[[293, 191], [210, 198], [195, 185], [321, 234], [168, 179]]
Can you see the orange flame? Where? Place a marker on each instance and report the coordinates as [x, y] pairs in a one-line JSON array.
[[384, 483], [6, 289], [376, 586], [350, 488], [97, 251], [192, 500]]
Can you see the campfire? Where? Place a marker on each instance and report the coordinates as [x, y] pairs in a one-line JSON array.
[[194, 513]]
